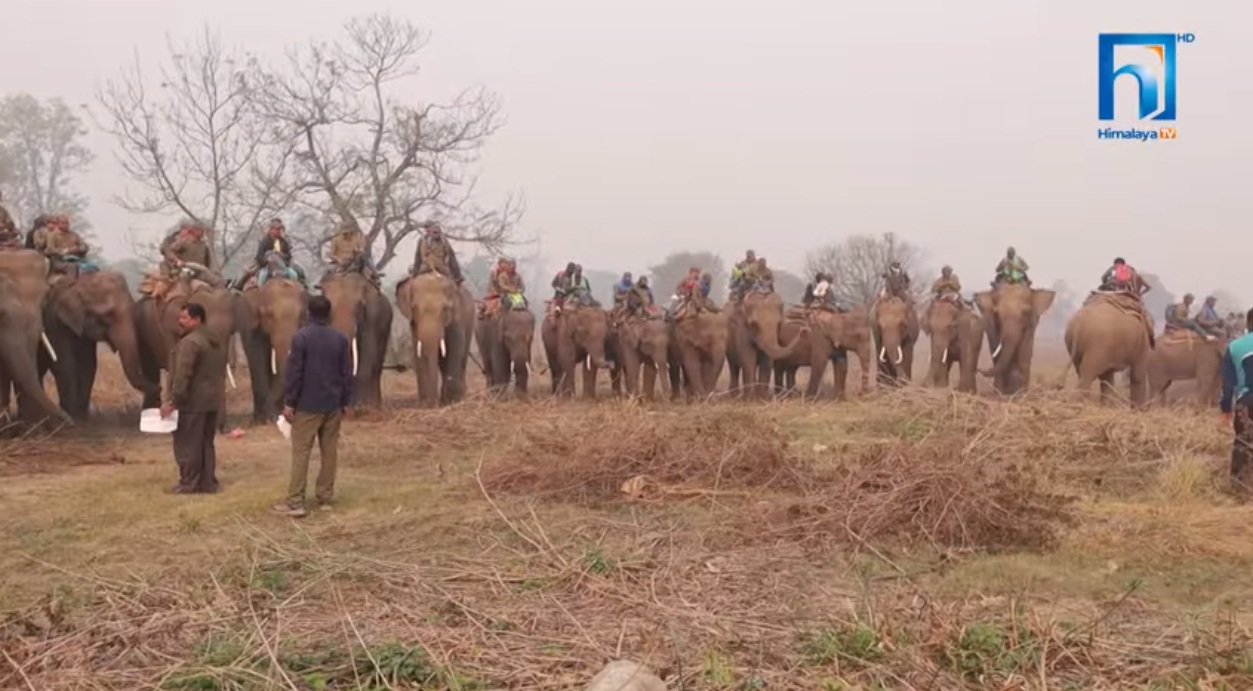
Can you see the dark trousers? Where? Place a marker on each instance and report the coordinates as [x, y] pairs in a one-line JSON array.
[[305, 428], [1242, 447], [194, 452]]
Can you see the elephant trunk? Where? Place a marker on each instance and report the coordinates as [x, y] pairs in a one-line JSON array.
[[125, 340], [21, 369], [767, 339], [1003, 356]]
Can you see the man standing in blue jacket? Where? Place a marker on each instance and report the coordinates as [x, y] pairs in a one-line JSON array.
[[1237, 407]]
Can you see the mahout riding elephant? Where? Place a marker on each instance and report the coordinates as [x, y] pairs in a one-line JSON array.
[[1010, 314], [156, 325], [1110, 333], [441, 322], [79, 313], [572, 337], [956, 334], [894, 322], [825, 337], [1181, 355], [361, 312], [639, 346], [698, 349], [268, 318], [23, 282], [754, 341], [504, 340]]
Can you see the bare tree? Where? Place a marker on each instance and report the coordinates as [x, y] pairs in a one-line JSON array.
[[40, 153], [194, 143], [857, 265], [366, 158]]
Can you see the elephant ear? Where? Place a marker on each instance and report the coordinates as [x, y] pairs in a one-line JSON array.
[[402, 300], [246, 312], [69, 308], [986, 302], [1041, 300]]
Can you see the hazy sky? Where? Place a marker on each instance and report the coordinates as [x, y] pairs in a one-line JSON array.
[[637, 128]]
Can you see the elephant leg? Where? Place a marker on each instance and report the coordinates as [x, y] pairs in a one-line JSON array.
[[817, 369], [839, 378], [1139, 380], [650, 380], [87, 355], [1108, 394], [589, 382]]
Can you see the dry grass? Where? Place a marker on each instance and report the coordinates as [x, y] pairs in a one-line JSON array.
[[913, 539]]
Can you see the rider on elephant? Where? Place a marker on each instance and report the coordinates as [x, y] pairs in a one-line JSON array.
[[895, 282], [275, 267], [186, 246], [1123, 277], [274, 241], [349, 253], [620, 291], [62, 246], [435, 253], [706, 284], [639, 299], [1011, 269], [741, 275], [820, 294], [11, 238], [947, 286], [505, 286], [1178, 319], [1209, 320], [692, 298]]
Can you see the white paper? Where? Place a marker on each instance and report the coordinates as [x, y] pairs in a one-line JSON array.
[[150, 421], [284, 427]]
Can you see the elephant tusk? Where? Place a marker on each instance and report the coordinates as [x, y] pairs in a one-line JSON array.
[[997, 351], [230, 376], [419, 348], [587, 362], [443, 348], [354, 354], [527, 365], [43, 336], [273, 361], [883, 354], [900, 355], [944, 357]]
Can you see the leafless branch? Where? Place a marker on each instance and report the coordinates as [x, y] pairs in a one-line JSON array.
[[40, 153], [857, 265]]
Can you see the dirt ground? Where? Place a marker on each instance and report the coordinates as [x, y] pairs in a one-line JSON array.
[[905, 539]]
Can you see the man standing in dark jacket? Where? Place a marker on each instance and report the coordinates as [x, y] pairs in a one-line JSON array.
[[197, 380], [316, 391], [1237, 406]]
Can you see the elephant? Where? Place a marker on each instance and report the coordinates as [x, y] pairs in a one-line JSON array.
[[698, 349], [78, 313], [575, 335], [639, 345], [268, 318], [156, 325], [441, 321], [361, 312], [1181, 355], [504, 342], [1010, 314], [1111, 333], [23, 283], [825, 337], [754, 341], [894, 324], [956, 333]]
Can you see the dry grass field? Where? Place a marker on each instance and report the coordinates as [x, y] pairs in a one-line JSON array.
[[901, 540]]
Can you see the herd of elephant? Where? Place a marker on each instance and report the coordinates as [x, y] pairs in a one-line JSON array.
[[55, 323]]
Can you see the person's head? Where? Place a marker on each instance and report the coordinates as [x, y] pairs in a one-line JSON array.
[[750, 256], [693, 272], [192, 316], [578, 269], [626, 277], [1248, 320], [570, 267], [1210, 301], [40, 221], [1188, 298], [894, 267], [319, 308], [643, 282], [432, 229], [1011, 252], [707, 277], [946, 271], [1119, 261], [276, 227]]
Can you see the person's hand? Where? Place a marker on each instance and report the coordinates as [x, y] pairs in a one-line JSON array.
[[167, 409], [1227, 418], [288, 412]]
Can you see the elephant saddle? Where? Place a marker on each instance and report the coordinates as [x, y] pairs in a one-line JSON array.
[[1179, 337], [1125, 302]]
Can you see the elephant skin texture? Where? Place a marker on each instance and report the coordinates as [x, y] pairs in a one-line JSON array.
[[698, 350], [895, 326], [830, 337], [504, 341], [1010, 315], [268, 319], [956, 333], [441, 321], [1183, 356], [1105, 337], [639, 347], [23, 283], [363, 314], [754, 342], [575, 339], [78, 314]]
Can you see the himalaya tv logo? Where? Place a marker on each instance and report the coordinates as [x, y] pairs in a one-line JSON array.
[[1149, 59]]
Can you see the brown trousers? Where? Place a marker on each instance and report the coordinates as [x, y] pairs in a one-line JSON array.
[[1242, 448], [194, 451], [305, 428]]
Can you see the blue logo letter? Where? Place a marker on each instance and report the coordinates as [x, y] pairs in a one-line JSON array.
[[1156, 81]]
